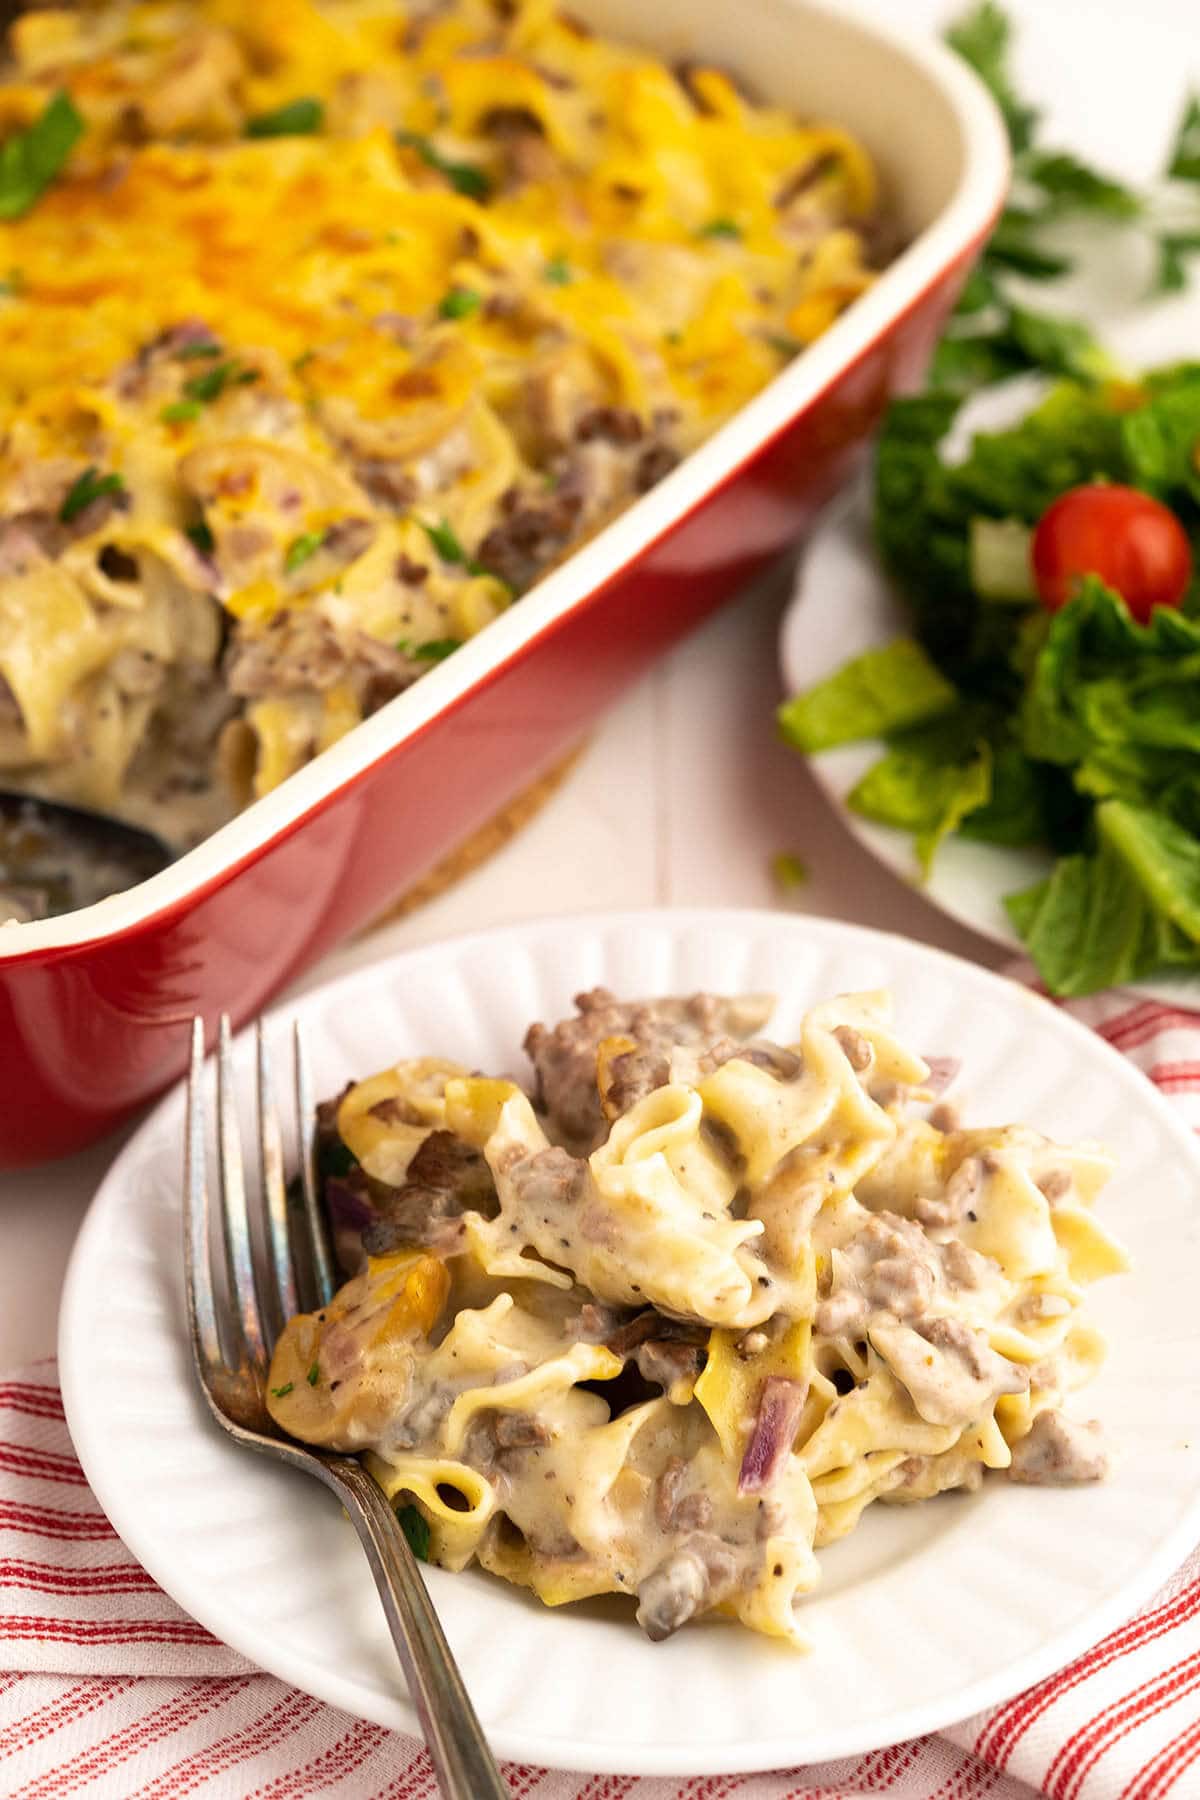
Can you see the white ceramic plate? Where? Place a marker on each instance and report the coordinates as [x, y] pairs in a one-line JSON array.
[[925, 1614], [843, 605]]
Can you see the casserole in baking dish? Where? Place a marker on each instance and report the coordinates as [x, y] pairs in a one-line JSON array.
[[90, 1003], [335, 327]]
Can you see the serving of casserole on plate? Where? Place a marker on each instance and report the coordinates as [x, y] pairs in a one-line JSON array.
[[676, 1319], [333, 335], [681, 1323]]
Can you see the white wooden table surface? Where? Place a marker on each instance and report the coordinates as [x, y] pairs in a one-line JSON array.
[[684, 795]]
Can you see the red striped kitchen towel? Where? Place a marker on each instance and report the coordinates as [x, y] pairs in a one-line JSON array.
[[115, 1694]]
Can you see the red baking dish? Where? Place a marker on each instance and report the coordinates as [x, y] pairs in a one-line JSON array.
[[94, 1005]]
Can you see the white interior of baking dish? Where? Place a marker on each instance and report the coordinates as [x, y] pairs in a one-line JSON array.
[[941, 150]]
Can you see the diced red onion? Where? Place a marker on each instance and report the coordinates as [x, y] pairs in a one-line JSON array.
[[400, 326], [347, 1206], [779, 1408], [942, 1071]]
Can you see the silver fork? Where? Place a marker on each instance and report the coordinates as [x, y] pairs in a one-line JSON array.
[[231, 1345]]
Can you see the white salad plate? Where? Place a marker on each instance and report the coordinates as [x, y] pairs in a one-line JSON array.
[[844, 604], [925, 1614]]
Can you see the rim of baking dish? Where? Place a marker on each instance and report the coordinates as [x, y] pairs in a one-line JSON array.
[[958, 227]]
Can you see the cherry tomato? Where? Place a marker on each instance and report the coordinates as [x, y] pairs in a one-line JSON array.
[[1131, 541]]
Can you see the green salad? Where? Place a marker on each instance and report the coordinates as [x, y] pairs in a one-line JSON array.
[[1010, 722], [1049, 691]]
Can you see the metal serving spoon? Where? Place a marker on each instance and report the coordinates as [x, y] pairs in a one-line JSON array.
[[55, 858]]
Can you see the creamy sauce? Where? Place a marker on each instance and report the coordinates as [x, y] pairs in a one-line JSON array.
[[675, 1358]]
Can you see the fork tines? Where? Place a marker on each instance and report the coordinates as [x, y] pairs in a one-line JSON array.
[[274, 1257], [271, 1256]]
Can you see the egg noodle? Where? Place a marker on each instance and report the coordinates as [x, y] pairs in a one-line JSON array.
[[337, 325], [672, 1325]]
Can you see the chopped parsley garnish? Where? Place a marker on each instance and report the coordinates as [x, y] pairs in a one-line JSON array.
[[464, 178], [415, 1527], [298, 118], [786, 346], [981, 38], [1065, 184], [557, 271], [720, 228], [211, 383], [30, 159], [1184, 165], [13, 283], [281, 1393], [1185, 152], [789, 870], [89, 486], [433, 650], [314, 1375], [460, 303], [992, 334], [301, 548], [201, 535], [199, 390], [198, 352], [303, 360], [445, 541], [1048, 187]]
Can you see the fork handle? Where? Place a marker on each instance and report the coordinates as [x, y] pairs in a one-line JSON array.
[[465, 1766]]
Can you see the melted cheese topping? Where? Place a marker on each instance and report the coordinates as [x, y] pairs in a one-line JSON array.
[[678, 1364], [365, 317]]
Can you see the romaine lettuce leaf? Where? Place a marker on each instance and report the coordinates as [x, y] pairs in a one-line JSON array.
[[909, 790], [1016, 809], [874, 694], [961, 772], [962, 363], [908, 497], [1130, 907], [1070, 728], [1117, 701], [1160, 440], [924, 508], [1164, 859]]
